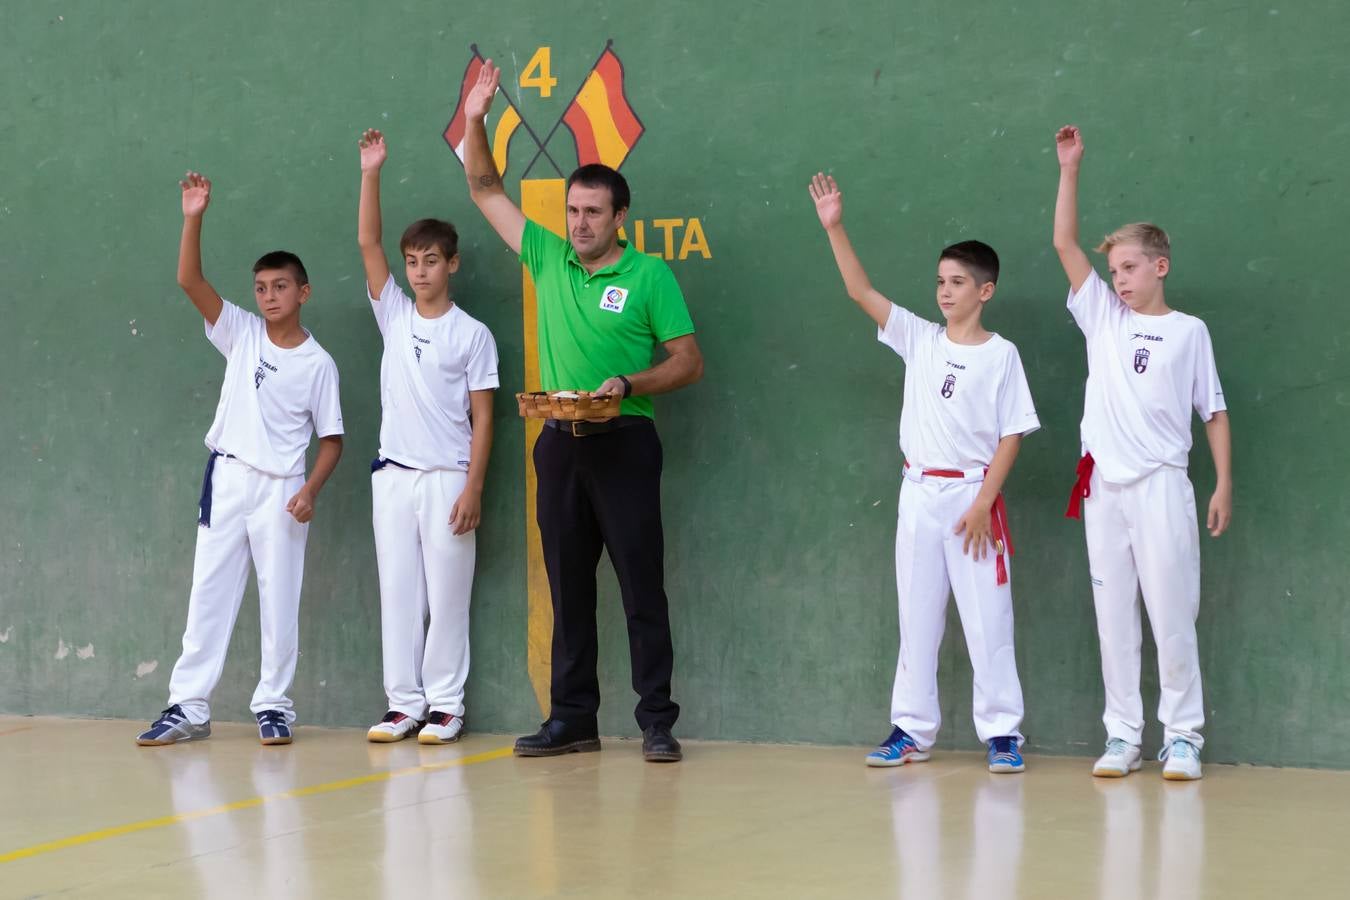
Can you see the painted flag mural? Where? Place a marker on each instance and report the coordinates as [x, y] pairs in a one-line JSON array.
[[599, 117], [508, 120]]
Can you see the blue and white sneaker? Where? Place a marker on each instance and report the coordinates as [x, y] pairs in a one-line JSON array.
[[273, 728], [172, 727], [1181, 761], [1004, 757], [896, 750]]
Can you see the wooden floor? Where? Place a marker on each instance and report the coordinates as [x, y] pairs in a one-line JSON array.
[[86, 813]]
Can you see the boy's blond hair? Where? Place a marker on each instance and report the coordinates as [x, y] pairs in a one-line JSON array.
[[1150, 238]]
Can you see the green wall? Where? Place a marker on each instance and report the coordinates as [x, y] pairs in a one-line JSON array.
[[1226, 123]]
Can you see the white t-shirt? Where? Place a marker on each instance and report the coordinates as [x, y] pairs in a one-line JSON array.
[[1145, 375], [428, 369], [272, 399], [960, 400]]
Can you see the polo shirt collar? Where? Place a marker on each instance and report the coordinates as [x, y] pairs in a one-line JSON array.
[[621, 266]]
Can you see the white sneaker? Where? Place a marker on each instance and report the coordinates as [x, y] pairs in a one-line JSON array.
[[1182, 761], [1120, 759], [395, 726], [441, 728]]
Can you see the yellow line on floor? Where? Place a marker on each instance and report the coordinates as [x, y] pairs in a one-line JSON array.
[[104, 834]]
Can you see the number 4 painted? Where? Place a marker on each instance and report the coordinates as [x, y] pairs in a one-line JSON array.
[[538, 73]]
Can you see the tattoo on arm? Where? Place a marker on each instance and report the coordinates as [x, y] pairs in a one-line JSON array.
[[487, 180]]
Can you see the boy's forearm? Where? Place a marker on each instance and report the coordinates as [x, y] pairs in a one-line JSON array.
[[325, 461], [480, 445], [479, 166], [1066, 209], [190, 253], [856, 282], [369, 227], [1219, 433], [999, 469]]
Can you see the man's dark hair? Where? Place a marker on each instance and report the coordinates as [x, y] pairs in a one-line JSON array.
[[597, 175], [428, 234], [283, 259], [976, 256]]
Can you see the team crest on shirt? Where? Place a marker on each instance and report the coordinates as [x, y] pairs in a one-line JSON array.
[[948, 385], [613, 299], [1141, 360], [263, 368]]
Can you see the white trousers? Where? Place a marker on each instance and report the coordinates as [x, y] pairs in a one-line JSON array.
[[425, 571], [1145, 536], [929, 566], [248, 519]]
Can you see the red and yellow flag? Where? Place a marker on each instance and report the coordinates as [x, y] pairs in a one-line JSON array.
[[599, 117], [508, 121]]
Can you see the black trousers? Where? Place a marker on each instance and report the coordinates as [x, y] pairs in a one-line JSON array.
[[594, 492]]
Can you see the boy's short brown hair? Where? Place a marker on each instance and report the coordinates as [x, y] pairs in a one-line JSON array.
[[425, 234], [1150, 238]]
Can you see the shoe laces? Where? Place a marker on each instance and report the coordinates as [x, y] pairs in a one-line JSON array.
[[173, 712], [441, 718], [1179, 749], [899, 738], [1118, 747], [271, 717], [1004, 747], [392, 716]]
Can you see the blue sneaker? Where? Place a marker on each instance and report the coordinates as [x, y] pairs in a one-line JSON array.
[[171, 727], [896, 750], [272, 727], [1004, 757]]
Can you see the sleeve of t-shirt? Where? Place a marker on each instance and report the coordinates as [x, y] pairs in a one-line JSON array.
[[903, 330], [324, 405], [1206, 391], [482, 368], [1092, 303], [667, 312], [391, 298], [538, 245], [1016, 409], [230, 324]]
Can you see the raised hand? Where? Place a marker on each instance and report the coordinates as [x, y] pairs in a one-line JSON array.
[[374, 151], [196, 194], [829, 201], [479, 101], [1069, 146]]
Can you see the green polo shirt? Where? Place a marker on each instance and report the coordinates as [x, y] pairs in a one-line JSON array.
[[596, 326]]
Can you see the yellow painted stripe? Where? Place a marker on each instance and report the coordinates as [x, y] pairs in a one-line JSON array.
[[104, 834], [594, 101], [501, 137], [543, 200]]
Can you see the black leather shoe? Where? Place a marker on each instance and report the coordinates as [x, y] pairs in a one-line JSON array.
[[659, 745], [555, 737]]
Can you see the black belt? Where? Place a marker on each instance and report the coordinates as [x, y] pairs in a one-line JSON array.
[[204, 504], [380, 462], [585, 429]]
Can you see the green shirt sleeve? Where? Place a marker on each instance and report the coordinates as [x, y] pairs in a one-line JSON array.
[[539, 247], [669, 314]]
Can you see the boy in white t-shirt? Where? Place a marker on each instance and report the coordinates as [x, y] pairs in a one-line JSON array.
[[437, 378], [280, 387], [1148, 367], [966, 408]]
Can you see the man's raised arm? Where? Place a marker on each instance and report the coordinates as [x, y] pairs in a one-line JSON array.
[[485, 183]]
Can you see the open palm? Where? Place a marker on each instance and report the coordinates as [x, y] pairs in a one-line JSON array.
[[196, 193], [479, 101], [374, 151], [829, 200]]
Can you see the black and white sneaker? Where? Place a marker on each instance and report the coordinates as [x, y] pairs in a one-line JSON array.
[[273, 727], [172, 727], [395, 726]]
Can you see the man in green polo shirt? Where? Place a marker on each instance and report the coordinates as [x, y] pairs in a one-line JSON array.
[[602, 308]]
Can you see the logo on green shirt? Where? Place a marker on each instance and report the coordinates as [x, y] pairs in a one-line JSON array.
[[614, 299]]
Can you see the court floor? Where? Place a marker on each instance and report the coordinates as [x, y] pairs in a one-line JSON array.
[[86, 813]]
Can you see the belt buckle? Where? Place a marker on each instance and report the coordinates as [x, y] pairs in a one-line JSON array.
[[573, 426]]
